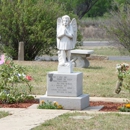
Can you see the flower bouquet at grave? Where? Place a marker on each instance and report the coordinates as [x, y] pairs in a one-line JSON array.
[[49, 105], [14, 82], [123, 81], [125, 107], [123, 75]]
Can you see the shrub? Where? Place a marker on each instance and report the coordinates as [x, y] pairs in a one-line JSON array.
[[30, 21], [14, 82]]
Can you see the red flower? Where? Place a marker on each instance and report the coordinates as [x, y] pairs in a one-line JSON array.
[[29, 78]]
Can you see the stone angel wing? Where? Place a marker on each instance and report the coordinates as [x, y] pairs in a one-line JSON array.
[[59, 23], [74, 26]]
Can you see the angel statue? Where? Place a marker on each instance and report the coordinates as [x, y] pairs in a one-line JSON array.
[[66, 38]]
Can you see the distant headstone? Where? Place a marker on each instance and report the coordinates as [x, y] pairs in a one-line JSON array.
[[21, 51]]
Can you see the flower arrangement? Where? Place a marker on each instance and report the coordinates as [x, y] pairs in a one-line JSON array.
[[49, 105], [125, 108], [14, 82], [123, 81], [123, 74]]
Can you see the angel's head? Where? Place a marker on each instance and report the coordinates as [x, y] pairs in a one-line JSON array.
[[65, 20]]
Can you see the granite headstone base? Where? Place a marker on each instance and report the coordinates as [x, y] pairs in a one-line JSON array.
[[64, 84], [69, 103]]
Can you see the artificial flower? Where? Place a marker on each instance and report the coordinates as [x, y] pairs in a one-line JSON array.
[[127, 105], [42, 102], [56, 103], [29, 78], [2, 59]]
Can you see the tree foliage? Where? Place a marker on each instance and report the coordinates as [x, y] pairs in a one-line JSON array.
[[100, 8], [119, 27], [78, 7], [30, 21], [122, 4]]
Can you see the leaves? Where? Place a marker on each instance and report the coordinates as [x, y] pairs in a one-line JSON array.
[[118, 27], [11, 75], [49, 105], [31, 22]]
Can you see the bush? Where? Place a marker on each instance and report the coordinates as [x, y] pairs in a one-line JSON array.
[[30, 21], [13, 81]]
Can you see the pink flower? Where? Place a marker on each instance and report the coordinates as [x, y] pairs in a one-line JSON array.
[[29, 78], [2, 59]]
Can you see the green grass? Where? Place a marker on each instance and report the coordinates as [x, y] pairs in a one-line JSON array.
[[98, 80], [107, 51], [3, 114], [111, 121]]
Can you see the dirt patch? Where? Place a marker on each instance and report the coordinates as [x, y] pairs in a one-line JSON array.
[[19, 105], [108, 106]]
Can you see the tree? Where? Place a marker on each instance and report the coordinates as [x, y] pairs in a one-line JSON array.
[[100, 8], [78, 7], [30, 21], [122, 4], [119, 27]]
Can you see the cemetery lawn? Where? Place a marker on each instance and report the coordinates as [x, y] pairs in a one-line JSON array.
[[3, 114], [99, 79], [106, 51], [109, 121]]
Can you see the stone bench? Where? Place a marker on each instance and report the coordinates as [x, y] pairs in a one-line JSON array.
[[79, 57]]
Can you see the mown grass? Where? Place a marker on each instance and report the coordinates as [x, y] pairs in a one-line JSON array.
[[3, 114], [111, 121], [107, 51], [99, 78]]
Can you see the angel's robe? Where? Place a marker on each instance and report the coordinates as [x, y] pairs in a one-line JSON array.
[[65, 41]]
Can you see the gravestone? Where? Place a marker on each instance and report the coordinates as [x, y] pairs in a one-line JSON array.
[[21, 51], [64, 85], [67, 84]]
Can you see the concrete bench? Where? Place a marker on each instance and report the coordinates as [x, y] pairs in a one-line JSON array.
[[79, 56]]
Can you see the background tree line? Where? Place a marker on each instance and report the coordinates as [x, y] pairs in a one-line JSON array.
[[34, 22]]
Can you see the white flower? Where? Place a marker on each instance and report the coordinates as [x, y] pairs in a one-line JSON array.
[[23, 75], [19, 75], [118, 66], [11, 79]]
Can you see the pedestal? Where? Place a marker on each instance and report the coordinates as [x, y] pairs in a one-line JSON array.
[[67, 68], [69, 103]]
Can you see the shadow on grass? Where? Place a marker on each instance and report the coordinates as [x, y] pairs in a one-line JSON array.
[[95, 67]]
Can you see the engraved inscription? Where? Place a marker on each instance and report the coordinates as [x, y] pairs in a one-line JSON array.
[[62, 84], [50, 76]]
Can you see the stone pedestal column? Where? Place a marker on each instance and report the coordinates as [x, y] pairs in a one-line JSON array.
[[21, 51]]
